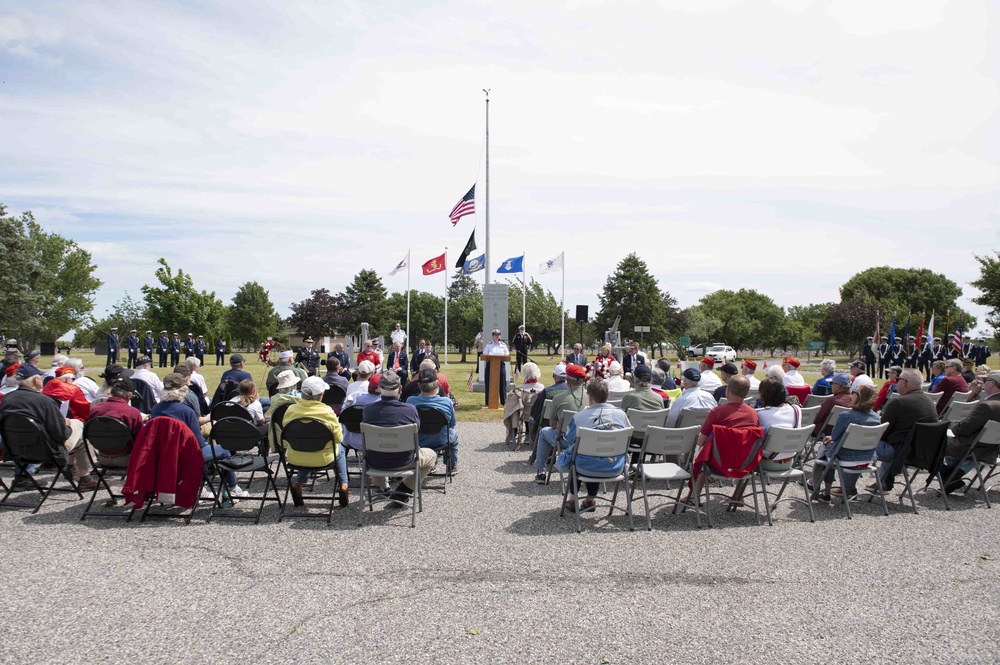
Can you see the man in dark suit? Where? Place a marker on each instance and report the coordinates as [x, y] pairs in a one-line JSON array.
[[909, 407], [397, 361], [163, 347], [967, 430], [345, 360], [175, 350], [113, 346], [633, 358], [147, 344], [577, 357], [419, 356], [132, 345]]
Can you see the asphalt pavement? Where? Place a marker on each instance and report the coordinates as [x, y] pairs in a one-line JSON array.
[[492, 574]]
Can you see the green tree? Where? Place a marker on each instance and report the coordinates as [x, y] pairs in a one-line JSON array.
[[426, 316], [176, 305], [901, 292], [544, 323], [808, 318], [849, 322], [633, 294], [989, 288], [677, 320], [48, 281], [127, 314], [364, 302], [252, 317], [319, 315], [743, 319], [465, 312]]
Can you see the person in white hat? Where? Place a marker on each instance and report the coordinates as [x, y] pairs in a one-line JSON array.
[[284, 365]]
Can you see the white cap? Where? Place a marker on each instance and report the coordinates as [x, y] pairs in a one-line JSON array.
[[313, 386], [366, 367], [287, 379], [285, 355], [559, 371]]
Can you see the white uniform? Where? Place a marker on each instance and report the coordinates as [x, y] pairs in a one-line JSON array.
[[691, 398], [793, 378], [398, 337], [496, 349]]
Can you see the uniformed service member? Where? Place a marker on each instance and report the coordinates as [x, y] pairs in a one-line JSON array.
[[868, 352], [189, 346], [884, 356], [147, 344], [220, 351], [132, 346], [175, 350], [199, 350], [522, 344], [113, 347], [912, 352], [308, 357], [980, 352], [497, 348], [163, 347]]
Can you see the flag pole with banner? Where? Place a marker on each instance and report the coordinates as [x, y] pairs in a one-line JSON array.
[[524, 294], [405, 263], [551, 266], [445, 305]]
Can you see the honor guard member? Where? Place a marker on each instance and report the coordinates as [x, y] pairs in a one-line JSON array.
[[398, 336], [147, 344], [884, 356], [132, 346], [199, 350], [522, 344], [980, 352], [497, 348], [898, 354], [163, 347], [175, 350], [912, 352], [189, 346], [938, 350], [113, 347], [220, 351], [925, 358], [308, 356], [868, 352]]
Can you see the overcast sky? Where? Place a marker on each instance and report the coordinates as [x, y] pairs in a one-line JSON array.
[[781, 146]]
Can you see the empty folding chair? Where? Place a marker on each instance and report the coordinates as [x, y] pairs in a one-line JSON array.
[[859, 438], [987, 441], [690, 417], [924, 450], [307, 435], [669, 442], [239, 437], [958, 411], [432, 422], [779, 442], [25, 443], [390, 440], [640, 420], [815, 400], [109, 438], [602, 443], [807, 415]]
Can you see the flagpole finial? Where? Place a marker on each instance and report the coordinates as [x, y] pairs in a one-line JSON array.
[[487, 91]]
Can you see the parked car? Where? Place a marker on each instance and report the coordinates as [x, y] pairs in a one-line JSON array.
[[721, 353]]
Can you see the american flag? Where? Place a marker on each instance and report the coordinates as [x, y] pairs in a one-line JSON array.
[[470, 382], [957, 341], [466, 206], [517, 375]]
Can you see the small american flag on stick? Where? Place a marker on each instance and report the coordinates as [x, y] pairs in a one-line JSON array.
[[470, 382]]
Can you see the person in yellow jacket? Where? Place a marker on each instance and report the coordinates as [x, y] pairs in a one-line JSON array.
[[311, 406]]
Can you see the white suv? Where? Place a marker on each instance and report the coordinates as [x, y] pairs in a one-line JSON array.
[[721, 353]]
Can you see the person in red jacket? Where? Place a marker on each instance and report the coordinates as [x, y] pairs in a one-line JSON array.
[[62, 389], [370, 355]]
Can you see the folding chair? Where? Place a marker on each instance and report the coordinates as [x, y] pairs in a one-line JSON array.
[[785, 441], [109, 437], [229, 410], [807, 415], [815, 400], [831, 419], [527, 403], [599, 443], [956, 398], [859, 438], [691, 417], [306, 435], [334, 397], [802, 392], [239, 436], [400, 439], [665, 441], [735, 454], [988, 436], [432, 421], [25, 443], [640, 420], [617, 396], [750, 400], [924, 448], [958, 411], [563, 424]]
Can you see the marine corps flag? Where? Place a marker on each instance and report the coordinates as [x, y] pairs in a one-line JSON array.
[[434, 265], [469, 246]]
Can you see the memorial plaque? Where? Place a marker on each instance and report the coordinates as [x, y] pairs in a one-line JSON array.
[[495, 311]]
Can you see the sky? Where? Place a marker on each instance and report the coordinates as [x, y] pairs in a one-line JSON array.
[[776, 145]]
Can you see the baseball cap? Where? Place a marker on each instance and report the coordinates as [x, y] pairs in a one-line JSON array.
[[27, 371], [841, 379], [730, 368], [366, 367], [691, 374], [427, 376], [643, 372], [144, 360], [236, 359], [994, 376], [125, 384], [559, 371], [173, 381], [390, 380], [31, 355], [113, 371], [313, 386], [858, 364]]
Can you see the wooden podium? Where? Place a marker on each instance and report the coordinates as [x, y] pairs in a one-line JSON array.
[[493, 369]]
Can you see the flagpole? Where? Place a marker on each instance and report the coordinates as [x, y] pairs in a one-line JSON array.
[[406, 346], [562, 306], [487, 186], [445, 305], [524, 294]]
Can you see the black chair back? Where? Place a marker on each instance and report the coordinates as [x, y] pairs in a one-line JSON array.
[[334, 396], [277, 417], [351, 418], [226, 391], [143, 398], [432, 421], [928, 442], [229, 410], [235, 434], [108, 436], [24, 440], [307, 435]]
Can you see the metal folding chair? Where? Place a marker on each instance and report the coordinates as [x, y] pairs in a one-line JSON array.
[[807, 415], [229, 410], [781, 440], [432, 422], [958, 411], [306, 435], [668, 442], [239, 436], [109, 437], [815, 400], [690, 417], [927, 444], [859, 438], [527, 403], [564, 419], [25, 443], [400, 439], [605, 444], [988, 436], [640, 420]]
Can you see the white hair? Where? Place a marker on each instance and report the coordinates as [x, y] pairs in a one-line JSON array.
[[828, 366], [59, 360], [77, 365], [192, 363], [775, 373], [615, 368], [912, 376], [530, 371]]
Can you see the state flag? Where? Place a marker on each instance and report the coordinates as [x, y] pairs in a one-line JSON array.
[[515, 264], [434, 265], [474, 265], [466, 206], [552, 265]]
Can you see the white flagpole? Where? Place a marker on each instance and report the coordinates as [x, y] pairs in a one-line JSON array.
[[487, 186], [406, 346], [524, 296], [562, 306], [445, 305]]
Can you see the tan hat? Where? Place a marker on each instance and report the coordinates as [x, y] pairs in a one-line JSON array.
[[287, 379]]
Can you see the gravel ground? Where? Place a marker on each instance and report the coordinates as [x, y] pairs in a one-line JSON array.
[[493, 574]]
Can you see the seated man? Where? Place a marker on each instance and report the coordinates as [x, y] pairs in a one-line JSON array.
[[369, 354], [692, 397], [902, 413], [117, 406], [143, 372], [366, 369], [334, 378], [965, 431], [598, 415], [642, 398], [235, 373], [63, 435], [390, 412], [790, 364], [951, 383], [83, 382], [342, 358], [633, 359], [397, 362], [571, 399], [429, 398], [616, 384], [728, 371], [353, 439], [826, 369], [747, 369], [284, 365], [709, 381], [311, 406], [558, 384], [668, 382], [734, 413], [840, 385], [62, 389], [858, 376]]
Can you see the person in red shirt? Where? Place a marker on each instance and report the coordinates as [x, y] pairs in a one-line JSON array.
[[952, 383], [62, 389], [117, 406], [734, 413], [888, 388], [370, 355]]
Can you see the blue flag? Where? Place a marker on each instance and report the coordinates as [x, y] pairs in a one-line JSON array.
[[892, 334], [515, 264], [474, 265]]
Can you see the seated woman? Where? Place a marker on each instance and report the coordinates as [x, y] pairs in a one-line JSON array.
[[601, 366], [250, 399], [311, 406], [827, 368], [861, 413], [937, 374], [889, 387], [777, 411], [287, 394], [513, 408]]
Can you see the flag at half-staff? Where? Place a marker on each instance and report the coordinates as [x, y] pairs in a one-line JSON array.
[[466, 206], [469, 247]]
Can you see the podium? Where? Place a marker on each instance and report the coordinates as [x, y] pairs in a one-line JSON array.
[[494, 366]]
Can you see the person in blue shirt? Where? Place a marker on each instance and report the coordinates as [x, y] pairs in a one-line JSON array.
[[429, 398], [598, 415], [822, 385], [937, 374], [236, 373]]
